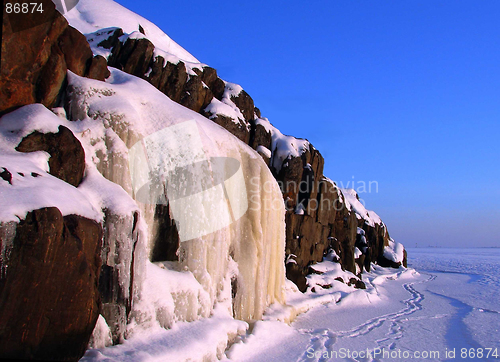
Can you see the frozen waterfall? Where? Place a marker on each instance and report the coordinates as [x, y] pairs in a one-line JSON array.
[[224, 202]]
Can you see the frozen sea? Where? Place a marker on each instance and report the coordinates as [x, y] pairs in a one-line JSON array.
[[449, 306]]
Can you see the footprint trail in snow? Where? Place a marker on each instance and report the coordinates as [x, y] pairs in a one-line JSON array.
[[322, 340]]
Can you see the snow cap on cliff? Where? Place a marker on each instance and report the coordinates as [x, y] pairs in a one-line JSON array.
[[91, 15]]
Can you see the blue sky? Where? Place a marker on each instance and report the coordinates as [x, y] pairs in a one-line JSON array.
[[404, 93]]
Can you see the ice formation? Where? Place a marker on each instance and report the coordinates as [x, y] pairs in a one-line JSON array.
[[130, 128]]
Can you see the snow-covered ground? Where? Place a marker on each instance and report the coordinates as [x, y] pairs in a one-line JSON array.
[[451, 303], [446, 301]]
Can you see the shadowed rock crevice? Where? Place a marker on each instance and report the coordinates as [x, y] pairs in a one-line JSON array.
[[166, 237]]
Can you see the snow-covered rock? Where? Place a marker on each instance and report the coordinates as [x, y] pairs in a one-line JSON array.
[[50, 240], [89, 16]]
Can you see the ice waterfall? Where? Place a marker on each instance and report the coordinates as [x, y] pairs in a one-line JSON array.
[[222, 198]]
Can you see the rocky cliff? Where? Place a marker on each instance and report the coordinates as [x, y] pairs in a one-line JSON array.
[[78, 238], [318, 218]]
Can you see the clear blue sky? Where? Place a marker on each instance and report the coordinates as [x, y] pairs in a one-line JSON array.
[[405, 93]]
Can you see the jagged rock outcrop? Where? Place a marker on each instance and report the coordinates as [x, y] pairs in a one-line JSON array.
[[48, 49], [307, 240], [28, 176], [343, 235], [49, 298], [260, 136], [318, 218], [194, 86], [67, 158]]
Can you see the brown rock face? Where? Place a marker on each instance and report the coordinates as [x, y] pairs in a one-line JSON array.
[[315, 160], [260, 137], [77, 54], [133, 57], [48, 50], [309, 235], [325, 223], [238, 128], [377, 238], [289, 178], [308, 241], [98, 68], [67, 157], [196, 95], [49, 299], [344, 237], [245, 103]]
